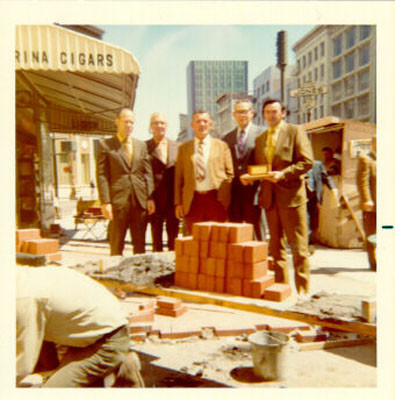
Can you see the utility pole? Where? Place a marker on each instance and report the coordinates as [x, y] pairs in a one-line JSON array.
[[282, 41]]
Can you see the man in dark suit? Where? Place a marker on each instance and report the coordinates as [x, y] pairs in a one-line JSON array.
[[283, 194], [316, 178], [204, 172], [241, 142], [125, 184], [163, 156]]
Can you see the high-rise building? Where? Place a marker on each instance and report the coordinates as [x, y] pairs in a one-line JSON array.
[[206, 80], [343, 58], [268, 85]]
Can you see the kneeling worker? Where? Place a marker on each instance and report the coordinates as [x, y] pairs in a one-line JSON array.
[[60, 306]]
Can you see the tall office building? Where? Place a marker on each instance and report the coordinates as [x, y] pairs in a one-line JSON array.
[[343, 58], [206, 80]]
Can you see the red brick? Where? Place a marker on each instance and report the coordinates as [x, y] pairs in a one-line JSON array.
[[202, 231], [234, 332], [191, 248], [140, 328], [210, 283], [311, 335], [53, 257], [239, 233], [247, 288], [218, 250], [234, 286], [204, 248], [179, 245], [138, 337], [259, 285], [169, 312], [181, 279], [179, 334], [234, 269], [203, 266], [219, 285], [142, 316], [277, 292], [201, 282], [255, 251], [192, 281], [215, 233], [261, 327], [42, 246], [236, 252], [149, 305], [193, 266], [26, 234], [168, 302], [211, 266], [182, 264], [254, 270], [220, 267]]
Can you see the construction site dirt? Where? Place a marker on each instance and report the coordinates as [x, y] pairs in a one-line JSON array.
[[209, 358]]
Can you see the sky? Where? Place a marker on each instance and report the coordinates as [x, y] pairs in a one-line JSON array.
[[164, 51]]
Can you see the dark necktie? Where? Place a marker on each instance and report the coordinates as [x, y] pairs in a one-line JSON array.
[[241, 143]]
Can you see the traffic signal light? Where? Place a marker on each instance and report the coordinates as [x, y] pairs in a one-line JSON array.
[[282, 41]]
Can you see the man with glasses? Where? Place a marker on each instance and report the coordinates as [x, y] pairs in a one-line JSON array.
[[241, 142]]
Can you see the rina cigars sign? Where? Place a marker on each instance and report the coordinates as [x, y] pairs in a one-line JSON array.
[[50, 47]]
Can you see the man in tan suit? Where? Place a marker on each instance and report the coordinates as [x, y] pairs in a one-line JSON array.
[[282, 194], [125, 184], [366, 182], [204, 172]]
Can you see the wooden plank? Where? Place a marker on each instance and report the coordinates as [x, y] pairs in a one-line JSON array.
[[335, 344], [354, 217], [347, 326]]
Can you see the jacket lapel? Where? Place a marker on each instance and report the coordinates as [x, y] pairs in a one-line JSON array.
[[282, 136], [119, 151], [136, 155]]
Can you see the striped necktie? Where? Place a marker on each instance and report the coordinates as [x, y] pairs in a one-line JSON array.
[[241, 143], [270, 145], [200, 170]]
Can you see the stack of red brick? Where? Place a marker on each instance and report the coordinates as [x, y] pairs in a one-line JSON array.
[[30, 241], [223, 258]]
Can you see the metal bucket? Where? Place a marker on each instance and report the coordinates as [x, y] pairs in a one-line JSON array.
[[268, 350]]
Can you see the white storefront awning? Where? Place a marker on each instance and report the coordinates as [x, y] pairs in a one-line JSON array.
[[83, 80]]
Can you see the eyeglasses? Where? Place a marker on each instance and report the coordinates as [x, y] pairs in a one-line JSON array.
[[243, 112]]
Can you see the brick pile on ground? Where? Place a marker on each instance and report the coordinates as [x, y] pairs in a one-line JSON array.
[[29, 241], [224, 258]]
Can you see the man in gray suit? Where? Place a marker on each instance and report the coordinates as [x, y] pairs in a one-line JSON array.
[[125, 184], [241, 142]]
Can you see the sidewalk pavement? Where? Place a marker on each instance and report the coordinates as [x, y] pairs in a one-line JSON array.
[[333, 270]]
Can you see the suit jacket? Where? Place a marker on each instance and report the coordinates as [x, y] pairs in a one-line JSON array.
[[293, 156], [366, 178], [220, 169], [163, 175], [116, 179], [317, 177], [240, 165]]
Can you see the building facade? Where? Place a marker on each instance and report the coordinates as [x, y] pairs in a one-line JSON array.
[[206, 80], [268, 85], [343, 58]]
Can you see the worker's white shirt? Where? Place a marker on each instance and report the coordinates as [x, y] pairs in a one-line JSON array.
[[60, 305]]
